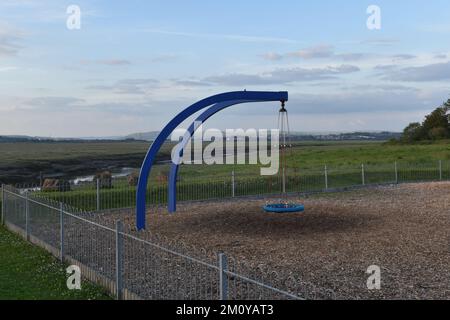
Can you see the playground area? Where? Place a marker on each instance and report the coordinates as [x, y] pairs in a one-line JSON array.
[[139, 244], [402, 229]]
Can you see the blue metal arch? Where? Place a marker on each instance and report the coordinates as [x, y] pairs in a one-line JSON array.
[[172, 184], [230, 97]]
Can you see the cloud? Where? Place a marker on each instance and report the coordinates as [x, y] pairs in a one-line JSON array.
[[138, 81], [380, 101], [107, 62], [321, 51], [282, 76], [272, 56], [328, 52], [352, 56], [436, 28], [432, 72], [385, 67], [403, 57], [9, 38], [164, 58], [8, 68], [231, 37], [114, 62], [441, 56], [127, 86], [379, 88], [317, 52], [51, 103], [380, 41], [360, 100], [192, 83]]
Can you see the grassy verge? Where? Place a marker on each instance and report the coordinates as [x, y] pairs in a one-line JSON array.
[[123, 196], [30, 273]]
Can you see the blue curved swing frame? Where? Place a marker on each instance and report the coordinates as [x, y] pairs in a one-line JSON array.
[[172, 183], [218, 103]]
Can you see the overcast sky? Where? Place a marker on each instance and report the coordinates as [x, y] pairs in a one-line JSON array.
[[134, 65]]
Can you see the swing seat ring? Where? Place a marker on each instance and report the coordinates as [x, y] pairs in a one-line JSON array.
[[284, 208]]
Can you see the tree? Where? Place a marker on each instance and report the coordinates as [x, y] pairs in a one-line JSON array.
[[436, 126], [446, 106], [413, 132], [438, 133], [437, 119]]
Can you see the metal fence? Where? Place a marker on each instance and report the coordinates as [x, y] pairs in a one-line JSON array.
[[117, 193], [135, 267], [132, 265]]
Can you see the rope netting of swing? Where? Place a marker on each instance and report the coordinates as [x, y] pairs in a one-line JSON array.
[[283, 127]]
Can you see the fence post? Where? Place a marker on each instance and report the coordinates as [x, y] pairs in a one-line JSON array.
[[98, 194], [396, 172], [363, 175], [326, 177], [440, 170], [61, 231], [119, 264], [27, 217], [223, 277], [233, 184], [3, 205]]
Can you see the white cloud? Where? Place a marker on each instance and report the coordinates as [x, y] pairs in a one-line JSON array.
[[431, 72], [231, 37], [127, 86], [282, 76], [107, 62], [9, 40]]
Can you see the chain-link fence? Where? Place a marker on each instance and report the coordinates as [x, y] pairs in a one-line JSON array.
[[134, 267], [120, 193]]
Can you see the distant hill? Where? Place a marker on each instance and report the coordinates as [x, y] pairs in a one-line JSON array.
[[146, 136], [21, 139], [304, 136], [151, 136], [347, 136], [12, 139]]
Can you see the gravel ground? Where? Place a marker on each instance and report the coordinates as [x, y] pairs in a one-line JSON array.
[[402, 229]]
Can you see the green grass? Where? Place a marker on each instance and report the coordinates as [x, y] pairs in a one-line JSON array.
[[306, 163], [122, 196], [30, 273], [72, 158], [310, 156], [25, 152]]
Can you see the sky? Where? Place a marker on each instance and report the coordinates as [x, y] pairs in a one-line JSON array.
[[133, 65]]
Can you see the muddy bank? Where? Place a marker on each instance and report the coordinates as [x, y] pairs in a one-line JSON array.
[[29, 172]]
